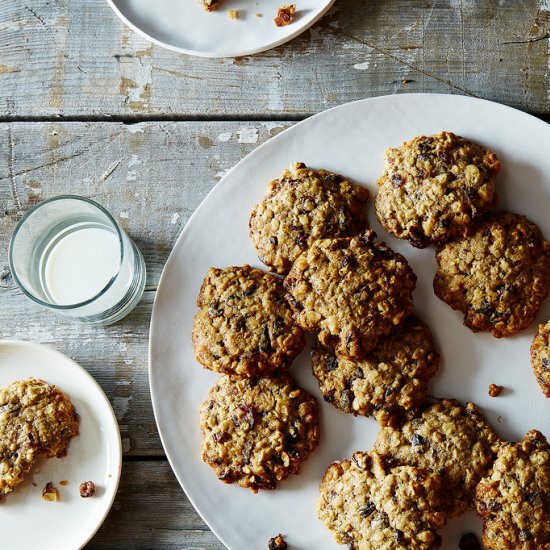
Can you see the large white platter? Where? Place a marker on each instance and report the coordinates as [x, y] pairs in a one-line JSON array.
[[27, 521], [350, 140], [184, 26]]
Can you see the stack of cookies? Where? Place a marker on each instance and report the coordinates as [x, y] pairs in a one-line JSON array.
[[493, 267], [444, 458], [433, 459], [440, 462], [372, 356], [258, 425]]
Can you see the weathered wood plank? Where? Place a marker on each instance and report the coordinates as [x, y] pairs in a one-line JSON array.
[[151, 511], [151, 176], [76, 59]]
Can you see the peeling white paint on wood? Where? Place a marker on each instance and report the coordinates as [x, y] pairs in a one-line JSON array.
[[362, 66], [248, 135]]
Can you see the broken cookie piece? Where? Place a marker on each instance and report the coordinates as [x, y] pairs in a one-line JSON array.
[[50, 493]]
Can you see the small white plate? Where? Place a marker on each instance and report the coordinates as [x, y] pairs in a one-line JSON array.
[[26, 520], [185, 27], [349, 140]]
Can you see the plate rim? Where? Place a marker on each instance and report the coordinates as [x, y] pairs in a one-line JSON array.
[[210, 55], [43, 348], [185, 229]]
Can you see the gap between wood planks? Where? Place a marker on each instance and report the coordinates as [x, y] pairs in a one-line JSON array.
[[147, 117]]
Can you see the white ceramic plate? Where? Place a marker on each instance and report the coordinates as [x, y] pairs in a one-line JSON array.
[[349, 140], [184, 26], [27, 520]]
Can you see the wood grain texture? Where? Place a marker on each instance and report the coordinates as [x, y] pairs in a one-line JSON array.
[[151, 177], [151, 511], [74, 58]]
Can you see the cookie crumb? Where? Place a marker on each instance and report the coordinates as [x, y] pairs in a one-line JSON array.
[[87, 489], [285, 15], [50, 493], [258, 14], [277, 543], [469, 542], [63, 482], [233, 14], [495, 390]]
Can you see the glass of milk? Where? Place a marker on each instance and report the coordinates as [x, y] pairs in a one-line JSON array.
[[69, 254]]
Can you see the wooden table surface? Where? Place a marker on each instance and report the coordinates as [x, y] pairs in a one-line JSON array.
[[89, 107]]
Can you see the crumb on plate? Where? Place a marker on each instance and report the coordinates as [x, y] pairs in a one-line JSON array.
[[50, 493], [285, 15], [495, 390], [233, 14], [277, 543]]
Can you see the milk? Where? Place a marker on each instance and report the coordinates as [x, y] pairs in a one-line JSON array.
[[81, 264], [69, 254]]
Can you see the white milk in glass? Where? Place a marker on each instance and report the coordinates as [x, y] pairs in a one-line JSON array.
[[76, 260], [69, 254], [81, 264]]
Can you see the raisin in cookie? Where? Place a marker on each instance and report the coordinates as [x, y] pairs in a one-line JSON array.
[[392, 378], [449, 439], [498, 277], [302, 206], [514, 498], [353, 290], [244, 325], [371, 507], [257, 431], [540, 357], [433, 187], [36, 420]]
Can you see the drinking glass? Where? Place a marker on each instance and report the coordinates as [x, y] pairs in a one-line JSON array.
[[70, 255]]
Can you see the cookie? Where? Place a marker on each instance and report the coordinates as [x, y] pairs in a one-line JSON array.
[[370, 507], [434, 187], [258, 431], [36, 420], [540, 357], [449, 439], [514, 498], [244, 325], [354, 291], [498, 277], [301, 206], [391, 379]]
